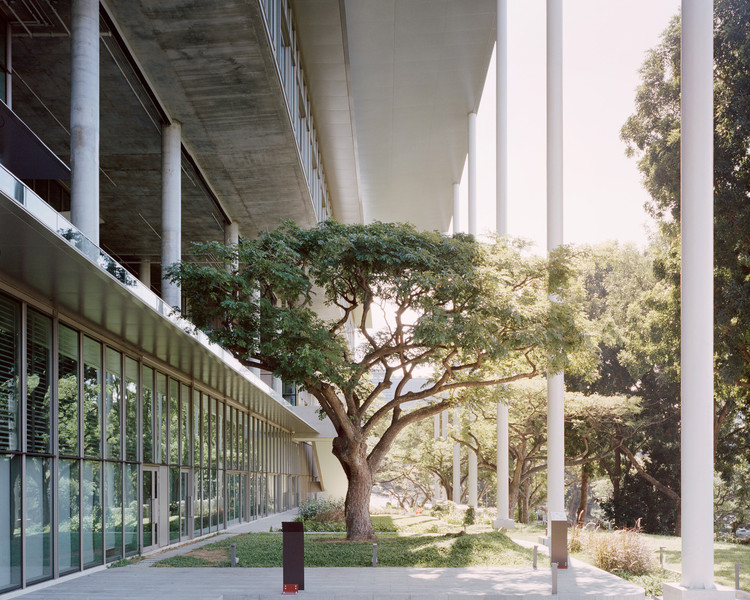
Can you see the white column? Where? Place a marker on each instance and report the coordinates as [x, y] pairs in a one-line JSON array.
[[503, 520], [144, 272], [472, 167], [84, 118], [555, 382], [472, 484], [457, 208], [697, 305], [232, 238], [435, 479], [171, 210], [457, 457]]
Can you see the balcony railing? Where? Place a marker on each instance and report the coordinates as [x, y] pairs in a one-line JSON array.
[[282, 35]]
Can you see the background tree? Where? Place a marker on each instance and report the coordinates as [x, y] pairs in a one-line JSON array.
[[468, 314], [653, 135]]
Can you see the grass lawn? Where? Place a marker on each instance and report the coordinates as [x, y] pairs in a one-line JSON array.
[[424, 542]]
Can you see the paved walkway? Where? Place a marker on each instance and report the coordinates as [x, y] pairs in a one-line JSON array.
[[138, 582]]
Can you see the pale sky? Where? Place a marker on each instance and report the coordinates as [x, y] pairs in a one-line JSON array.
[[604, 45]]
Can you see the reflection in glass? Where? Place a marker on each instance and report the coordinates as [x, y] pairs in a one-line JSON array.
[[160, 420], [185, 426], [10, 349], [206, 501], [130, 513], [38, 379], [230, 458], [174, 423], [131, 409], [113, 404], [10, 523], [38, 520], [92, 397], [91, 508], [197, 502], [220, 498], [68, 516], [149, 485], [197, 429], [148, 415], [174, 504], [214, 502], [206, 438], [220, 436], [113, 510], [67, 391]]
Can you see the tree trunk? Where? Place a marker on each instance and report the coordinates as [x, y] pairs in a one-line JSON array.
[[583, 504], [352, 455]]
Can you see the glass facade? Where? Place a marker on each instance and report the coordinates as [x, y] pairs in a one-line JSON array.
[[106, 439]]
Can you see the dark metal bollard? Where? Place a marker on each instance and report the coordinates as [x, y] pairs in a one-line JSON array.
[[737, 575], [536, 553], [554, 578], [661, 556], [293, 552], [374, 555]]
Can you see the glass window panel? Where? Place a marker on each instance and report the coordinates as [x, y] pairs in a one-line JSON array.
[[148, 415], [38, 379], [38, 520], [197, 502], [174, 504], [10, 366], [131, 409], [206, 502], [113, 404], [220, 497], [113, 510], [213, 433], [197, 430], [206, 433], [91, 508], [148, 495], [230, 458], [214, 502], [68, 510], [92, 397], [174, 423], [67, 390], [130, 516], [185, 426], [220, 435], [184, 488], [160, 408], [10, 522]]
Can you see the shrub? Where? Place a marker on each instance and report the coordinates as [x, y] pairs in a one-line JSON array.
[[327, 509], [470, 516], [623, 550], [576, 541]]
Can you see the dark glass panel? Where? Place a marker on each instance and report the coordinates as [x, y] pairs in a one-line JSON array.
[[113, 404], [130, 516], [10, 366], [38, 379], [67, 391], [68, 501], [10, 523], [148, 415], [131, 409], [113, 510], [92, 397], [91, 505], [160, 418], [38, 519]]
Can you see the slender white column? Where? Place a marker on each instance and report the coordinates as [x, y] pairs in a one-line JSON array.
[[472, 166], [503, 502], [457, 209], [84, 118], [171, 213], [503, 520], [435, 479], [472, 484], [457, 457], [445, 424], [697, 294], [231, 234], [144, 272], [555, 382]]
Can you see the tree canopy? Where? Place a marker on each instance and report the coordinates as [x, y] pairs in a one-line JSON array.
[[460, 313]]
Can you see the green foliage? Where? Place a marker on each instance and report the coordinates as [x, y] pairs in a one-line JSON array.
[[312, 508], [469, 516]]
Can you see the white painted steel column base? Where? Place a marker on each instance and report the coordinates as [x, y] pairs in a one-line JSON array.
[[675, 591]]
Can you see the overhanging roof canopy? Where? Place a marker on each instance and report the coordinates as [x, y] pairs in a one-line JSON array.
[[392, 84]]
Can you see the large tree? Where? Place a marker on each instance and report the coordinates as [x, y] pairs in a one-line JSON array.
[[466, 314]]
